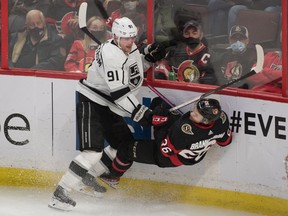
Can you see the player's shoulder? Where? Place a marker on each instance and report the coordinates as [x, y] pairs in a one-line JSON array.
[[112, 53], [223, 119]]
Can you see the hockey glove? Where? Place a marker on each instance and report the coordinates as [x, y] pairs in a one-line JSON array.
[[154, 52], [142, 115], [160, 116]]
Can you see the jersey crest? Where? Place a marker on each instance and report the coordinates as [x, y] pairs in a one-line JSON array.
[[135, 77], [187, 71], [223, 117], [233, 70]]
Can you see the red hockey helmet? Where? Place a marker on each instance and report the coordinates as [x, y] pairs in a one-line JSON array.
[[209, 108]]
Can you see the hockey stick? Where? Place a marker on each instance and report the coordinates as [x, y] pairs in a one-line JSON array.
[[254, 70], [101, 9], [162, 97], [82, 22]]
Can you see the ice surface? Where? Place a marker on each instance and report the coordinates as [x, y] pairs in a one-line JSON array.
[[22, 201]]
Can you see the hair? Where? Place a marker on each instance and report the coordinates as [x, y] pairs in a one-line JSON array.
[[87, 39], [38, 12]]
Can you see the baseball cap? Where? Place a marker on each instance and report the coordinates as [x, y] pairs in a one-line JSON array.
[[238, 29], [194, 23]]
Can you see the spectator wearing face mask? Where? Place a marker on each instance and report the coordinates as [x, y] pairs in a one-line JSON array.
[[82, 51], [238, 58], [190, 57], [37, 47]]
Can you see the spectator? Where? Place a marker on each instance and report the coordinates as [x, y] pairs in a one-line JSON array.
[[37, 47], [270, 78], [82, 52], [62, 17], [130, 7], [18, 10], [111, 6], [237, 60], [190, 58]]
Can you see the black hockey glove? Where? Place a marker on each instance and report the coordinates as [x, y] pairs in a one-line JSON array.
[[154, 52], [142, 115]]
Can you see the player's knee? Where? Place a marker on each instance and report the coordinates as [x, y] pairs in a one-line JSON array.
[[87, 159], [110, 152]]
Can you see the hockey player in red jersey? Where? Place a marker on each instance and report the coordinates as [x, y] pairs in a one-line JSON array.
[[179, 140]]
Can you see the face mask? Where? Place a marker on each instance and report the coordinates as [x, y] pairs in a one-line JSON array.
[[98, 34], [36, 33], [192, 43], [130, 5], [238, 47]]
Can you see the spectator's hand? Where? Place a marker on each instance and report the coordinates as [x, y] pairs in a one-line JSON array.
[[154, 52], [73, 23]]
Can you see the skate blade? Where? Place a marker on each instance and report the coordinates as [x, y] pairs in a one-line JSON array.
[[56, 204]]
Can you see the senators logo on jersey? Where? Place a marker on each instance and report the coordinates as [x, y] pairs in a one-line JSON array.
[[186, 128], [187, 71]]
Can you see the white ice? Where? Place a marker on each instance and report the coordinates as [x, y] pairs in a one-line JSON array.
[[21, 201]]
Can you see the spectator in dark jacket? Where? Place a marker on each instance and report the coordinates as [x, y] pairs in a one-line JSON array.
[[36, 47]]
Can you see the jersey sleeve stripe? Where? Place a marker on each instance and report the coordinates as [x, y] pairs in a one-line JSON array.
[[120, 93], [227, 141]]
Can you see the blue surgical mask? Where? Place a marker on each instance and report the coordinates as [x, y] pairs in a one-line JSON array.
[[237, 47]]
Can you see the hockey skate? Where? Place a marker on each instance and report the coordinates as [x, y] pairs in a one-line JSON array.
[[110, 180], [89, 186], [61, 200]]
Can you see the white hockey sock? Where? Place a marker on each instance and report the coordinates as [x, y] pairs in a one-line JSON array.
[[78, 168], [106, 160]]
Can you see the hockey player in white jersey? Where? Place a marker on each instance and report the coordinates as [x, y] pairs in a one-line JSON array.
[[104, 97]]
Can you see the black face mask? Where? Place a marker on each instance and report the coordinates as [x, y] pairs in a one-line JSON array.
[[36, 33], [98, 34], [192, 43]]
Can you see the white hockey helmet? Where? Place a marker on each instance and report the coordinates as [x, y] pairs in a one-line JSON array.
[[124, 27]]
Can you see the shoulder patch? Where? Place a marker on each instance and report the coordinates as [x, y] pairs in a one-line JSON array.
[[187, 129], [223, 117]]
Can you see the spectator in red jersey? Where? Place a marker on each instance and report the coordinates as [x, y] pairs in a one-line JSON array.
[[82, 51], [270, 78], [62, 17]]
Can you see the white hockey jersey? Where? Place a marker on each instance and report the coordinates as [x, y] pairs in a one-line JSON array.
[[114, 78]]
